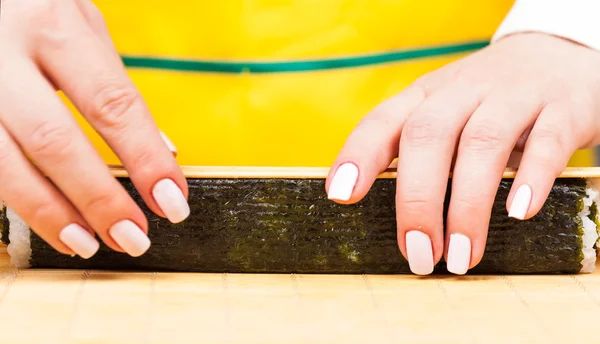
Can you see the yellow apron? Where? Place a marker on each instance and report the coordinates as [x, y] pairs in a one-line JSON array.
[[283, 82]]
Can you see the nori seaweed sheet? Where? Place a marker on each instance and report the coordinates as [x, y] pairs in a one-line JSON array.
[[289, 226], [4, 227]]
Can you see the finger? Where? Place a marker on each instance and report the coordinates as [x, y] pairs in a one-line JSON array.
[[50, 136], [427, 145], [371, 147], [109, 100], [95, 20], [483, 153], [374, 143], [40, 205], [547, 152]]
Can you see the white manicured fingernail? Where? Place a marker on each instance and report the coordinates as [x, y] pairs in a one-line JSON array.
[[79, 240], [130, 237], [420, 253], [171, 200], [459, 254], [343, 182], [520, 203], [169, 143]]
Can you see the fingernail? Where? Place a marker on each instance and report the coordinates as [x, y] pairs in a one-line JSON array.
[[169, 143], [79, 240], [520, 203], [459, 254], [343, 182], [171, 200], [130, 237], [420, 253]]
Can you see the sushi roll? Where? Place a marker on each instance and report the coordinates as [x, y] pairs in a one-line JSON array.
[[253, 221]]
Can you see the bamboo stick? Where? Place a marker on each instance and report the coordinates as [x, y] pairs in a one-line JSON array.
[[207, 172]]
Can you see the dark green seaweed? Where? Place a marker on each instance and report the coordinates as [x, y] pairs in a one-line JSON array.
[[4, 227], [594, 214], [287, 225]]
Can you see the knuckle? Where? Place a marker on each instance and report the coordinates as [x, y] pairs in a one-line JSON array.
[[483, 137], [422, 82], [380, 114], [372, 140], [146, 167], [144, 164], [42, 214], [427, 84], [46, 19], [547, 145], [473, 79], [113, 105], [418, 203], [102, 203], [464, 75], [468, 75], [416, 210], [470, 203], [368, 126], [385, 113], [425, 130], [421, 88], [414, 199], [549, 136], [49, 140]]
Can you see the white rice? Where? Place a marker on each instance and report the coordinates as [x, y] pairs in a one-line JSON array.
[[19, 233], [590, 231]]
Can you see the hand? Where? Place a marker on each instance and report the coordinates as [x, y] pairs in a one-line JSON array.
[[530, 93], [51, 175]]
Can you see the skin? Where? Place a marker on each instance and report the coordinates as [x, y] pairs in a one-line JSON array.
[[56, 176], [533, 95], [530, 99]]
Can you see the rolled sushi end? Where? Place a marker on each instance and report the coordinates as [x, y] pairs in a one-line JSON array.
[[19, 240], [590, 226]]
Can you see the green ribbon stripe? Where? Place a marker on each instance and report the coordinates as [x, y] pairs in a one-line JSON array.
[[235, 67]]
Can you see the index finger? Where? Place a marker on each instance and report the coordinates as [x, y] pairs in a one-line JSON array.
[[86, 70]]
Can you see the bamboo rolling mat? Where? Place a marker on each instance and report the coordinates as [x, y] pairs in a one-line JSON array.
[[48, 306]]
